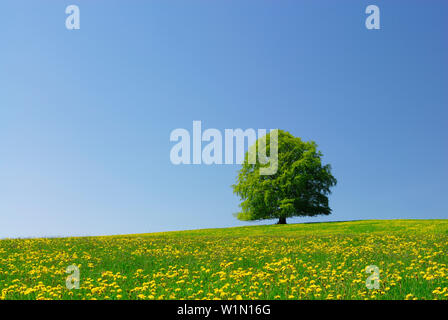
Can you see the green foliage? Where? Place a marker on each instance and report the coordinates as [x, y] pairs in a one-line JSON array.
[[299, 187]]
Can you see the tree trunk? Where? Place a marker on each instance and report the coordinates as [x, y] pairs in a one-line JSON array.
[[281, 220]]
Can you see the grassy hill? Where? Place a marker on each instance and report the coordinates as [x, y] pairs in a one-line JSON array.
[[297, 261], [320, 228]]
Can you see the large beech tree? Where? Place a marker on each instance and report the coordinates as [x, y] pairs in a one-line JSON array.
[[300, 186]]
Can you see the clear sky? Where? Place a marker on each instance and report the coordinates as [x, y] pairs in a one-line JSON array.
[[86, 115]]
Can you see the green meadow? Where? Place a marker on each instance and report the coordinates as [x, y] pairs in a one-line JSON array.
[[407, 260]]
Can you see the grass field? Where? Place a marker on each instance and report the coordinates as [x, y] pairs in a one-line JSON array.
[[298, 261]]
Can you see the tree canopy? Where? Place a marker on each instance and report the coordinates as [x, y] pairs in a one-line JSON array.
[[299, 187]]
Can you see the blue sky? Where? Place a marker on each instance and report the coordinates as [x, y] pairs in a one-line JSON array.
[[86, 115]]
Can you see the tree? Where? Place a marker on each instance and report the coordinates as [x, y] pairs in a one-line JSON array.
[[299, 187]]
